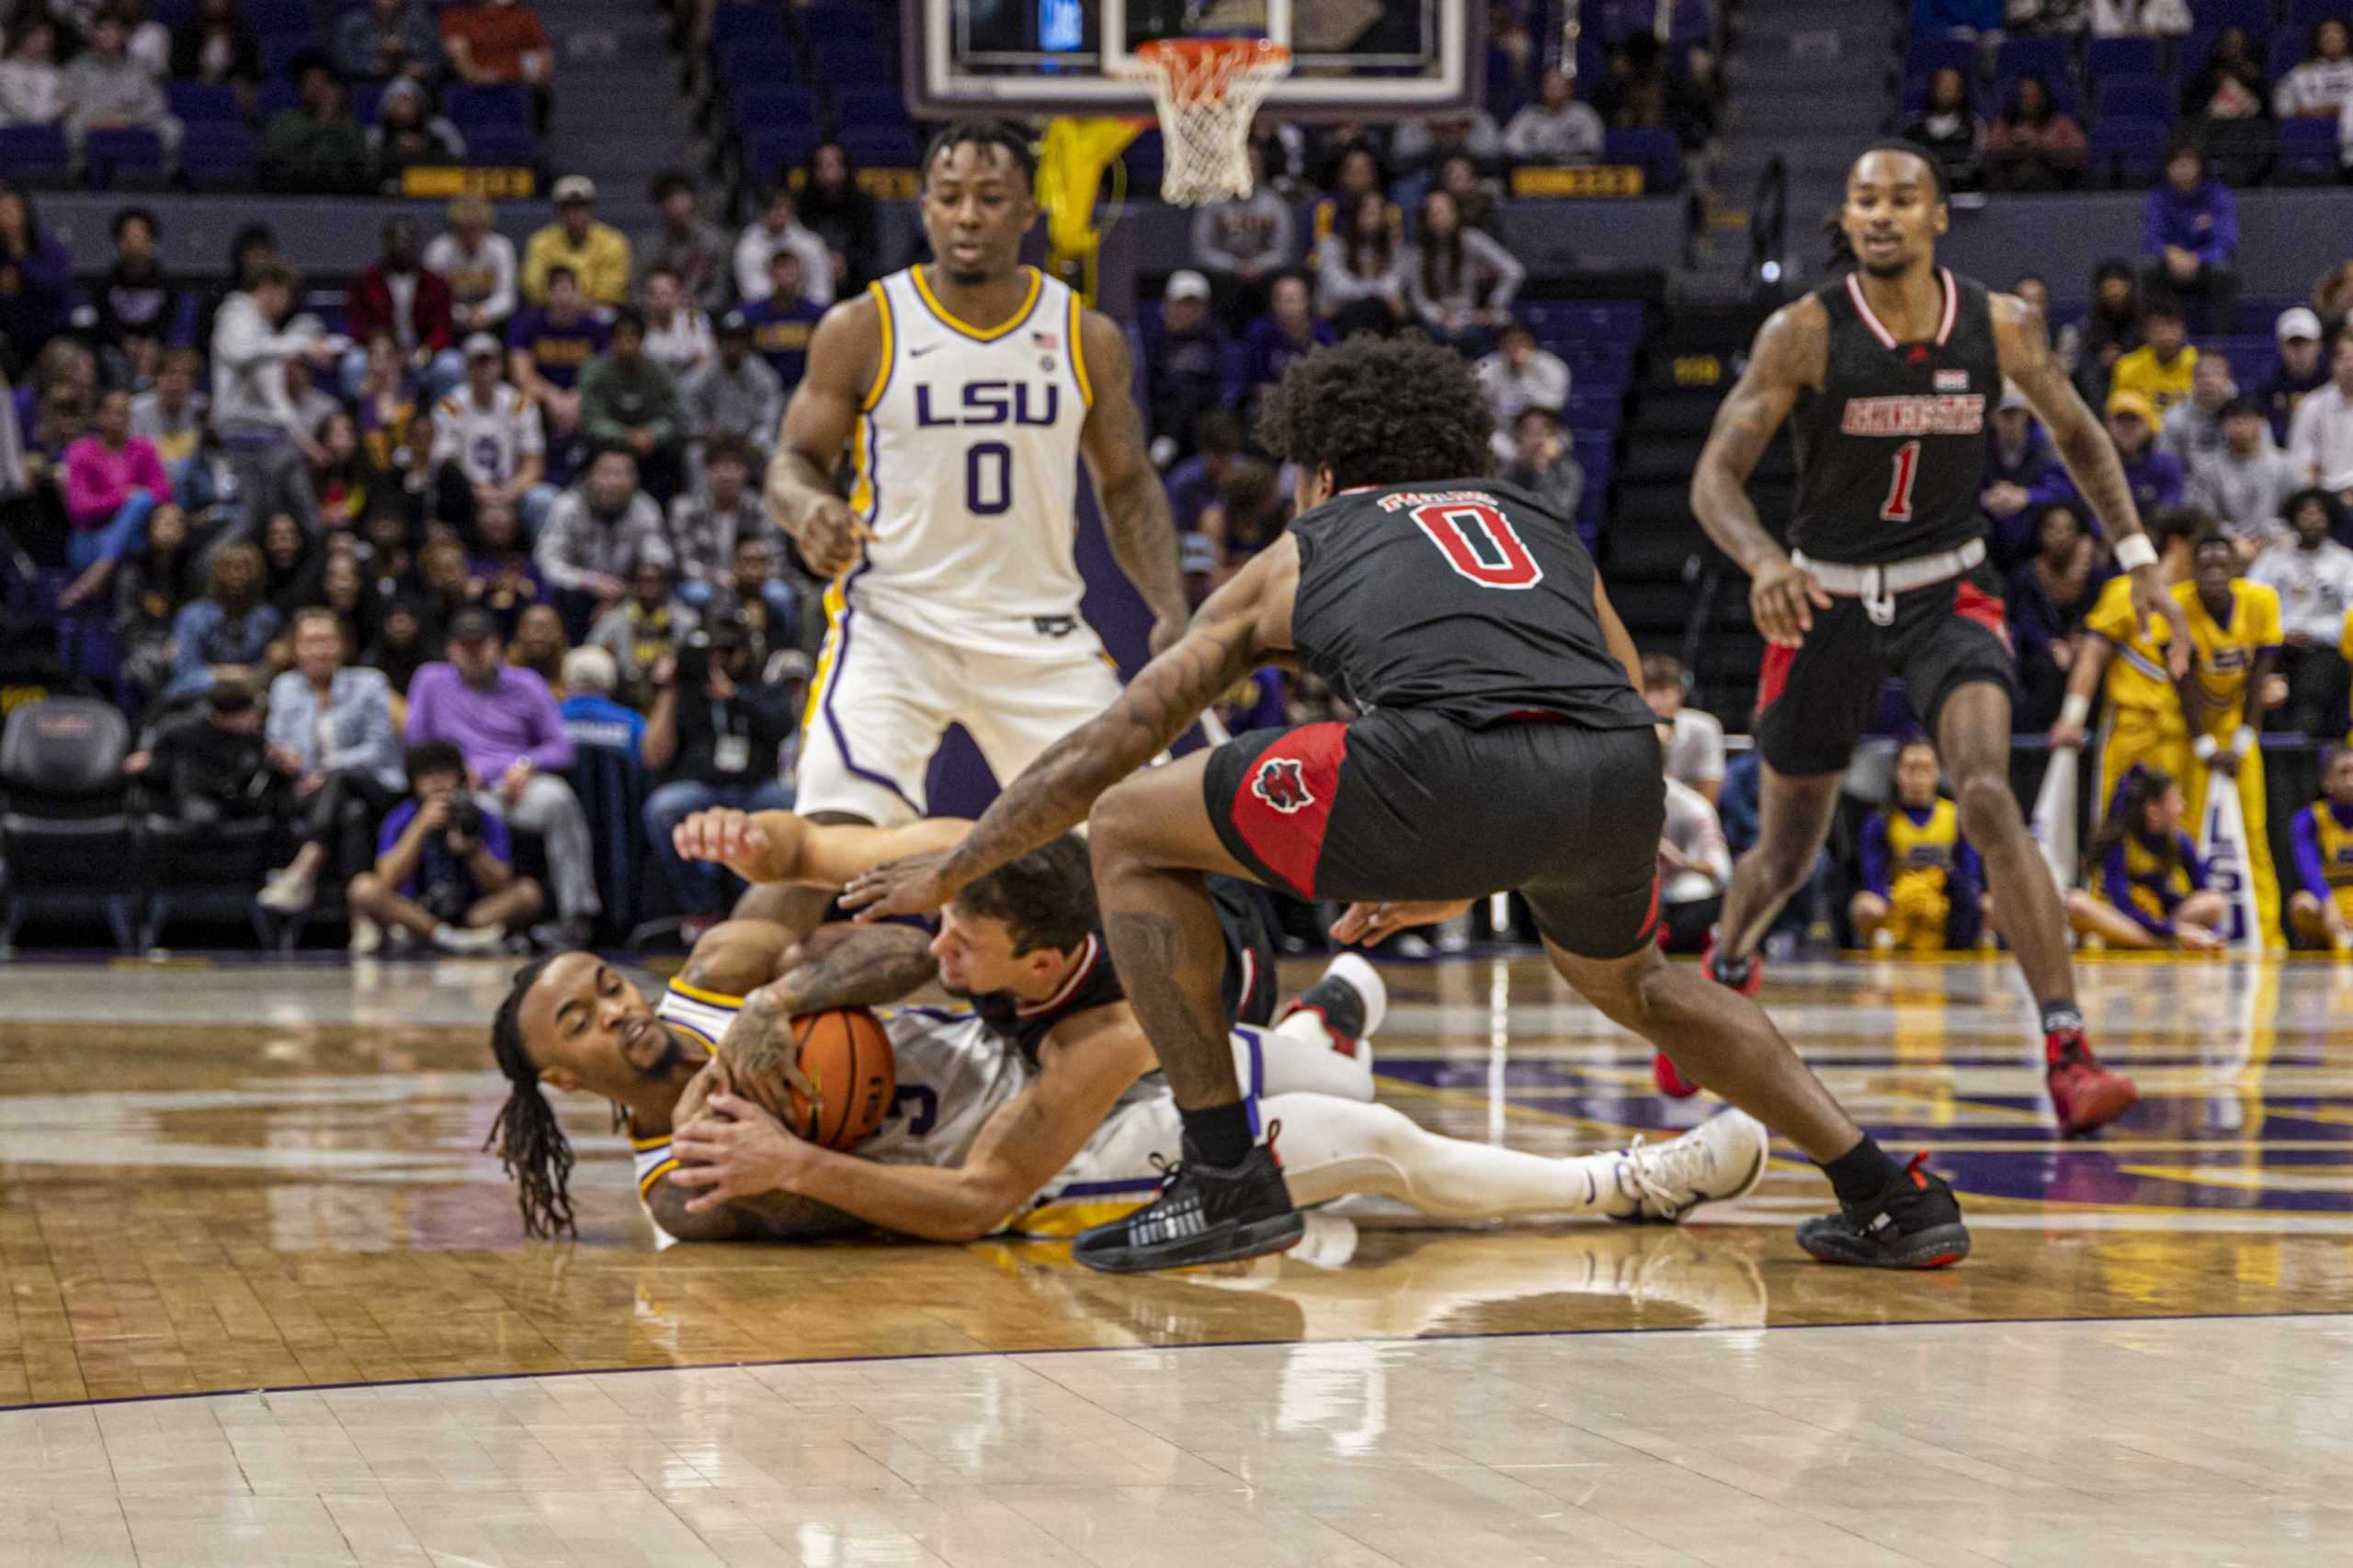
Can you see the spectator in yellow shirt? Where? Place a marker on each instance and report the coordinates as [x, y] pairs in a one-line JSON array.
[[597, 253], [2160, 369]]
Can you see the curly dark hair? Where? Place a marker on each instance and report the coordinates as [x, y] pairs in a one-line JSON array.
[[984, 133], [531, 1146], [1046, 898], [1398, 410]]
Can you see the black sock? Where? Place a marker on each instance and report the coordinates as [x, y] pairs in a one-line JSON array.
[[1730, 971], [1861, 1173], [1220, 1134], [2062, 1016]]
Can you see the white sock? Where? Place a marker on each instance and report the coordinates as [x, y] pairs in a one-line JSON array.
[[1296, 1058], [1332, 1147]]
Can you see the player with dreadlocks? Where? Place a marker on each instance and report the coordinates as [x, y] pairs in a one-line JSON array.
[[1035, 1109]]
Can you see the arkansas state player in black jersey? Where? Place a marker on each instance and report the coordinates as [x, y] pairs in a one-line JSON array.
[[1891, 373], [1503, 745]]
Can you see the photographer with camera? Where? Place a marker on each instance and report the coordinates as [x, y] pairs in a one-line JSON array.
[[720, 735], [444, 869]]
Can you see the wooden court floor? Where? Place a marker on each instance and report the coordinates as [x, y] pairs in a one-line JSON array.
[[267, 1301]]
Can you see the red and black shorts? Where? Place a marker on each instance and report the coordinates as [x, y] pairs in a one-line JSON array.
[[1814, 700], [1408, 804]]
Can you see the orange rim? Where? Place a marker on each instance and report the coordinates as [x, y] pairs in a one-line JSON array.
[[1196, 70]]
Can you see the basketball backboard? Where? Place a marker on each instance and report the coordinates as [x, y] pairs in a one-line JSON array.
[[1351, 59]]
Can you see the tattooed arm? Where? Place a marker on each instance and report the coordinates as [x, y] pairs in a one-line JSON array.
[[863, 967], [1136, 518], [1790, 355], [867, 966], [1237, 630], [2023, 341]]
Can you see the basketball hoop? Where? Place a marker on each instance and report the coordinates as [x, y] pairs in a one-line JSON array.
[[1208, 91]]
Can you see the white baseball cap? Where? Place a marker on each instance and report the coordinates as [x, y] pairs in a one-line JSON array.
[[2297, 321], [1187, 284], [574, 188]]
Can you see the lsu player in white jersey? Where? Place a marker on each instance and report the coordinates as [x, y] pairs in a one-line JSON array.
[[963, 393], [1034, 1109]]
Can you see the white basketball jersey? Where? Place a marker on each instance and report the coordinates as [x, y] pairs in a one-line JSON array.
[[966, 454], [952, 1075]]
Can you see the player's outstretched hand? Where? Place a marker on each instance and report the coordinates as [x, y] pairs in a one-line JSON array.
[[735, 1150], [740, 841], [1782, 597], [2152, 599], [828, 536], [910, 886], [1371, 923]]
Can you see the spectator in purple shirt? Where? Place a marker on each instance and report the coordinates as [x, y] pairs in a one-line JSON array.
[[504, 719], [2191, 228], [1290, 329]]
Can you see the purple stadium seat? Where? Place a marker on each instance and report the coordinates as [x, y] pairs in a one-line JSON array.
[[278, 54], [2126, 151], [35, 155], [771, 151], [2136, 97], [2287, 50], [193, 101], [1655, 150], [273, 98], [869, 103], [754, 62], [2022, 54], [2305, 15], [499, 146], [468, 108], [2255, 16], [754, 110], [1926, 56], [366, 101], [755, 22], [217, 156], [842, 60], [825, 20], [879, 146], [270, 19], [2308, 153], [2120, 57], [121, 157]]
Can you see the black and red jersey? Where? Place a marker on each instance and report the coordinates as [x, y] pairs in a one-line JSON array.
[[1467, 597], [1892, 451]]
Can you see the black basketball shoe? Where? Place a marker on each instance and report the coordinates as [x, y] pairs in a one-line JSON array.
[[1913, 1222], [1204, 1214]]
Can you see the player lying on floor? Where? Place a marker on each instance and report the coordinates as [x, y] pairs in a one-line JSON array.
[[1024, 1112]]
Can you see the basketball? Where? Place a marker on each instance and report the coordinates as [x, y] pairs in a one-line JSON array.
[[846, 1055]]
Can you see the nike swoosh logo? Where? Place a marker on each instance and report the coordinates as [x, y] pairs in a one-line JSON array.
[[919, 352]]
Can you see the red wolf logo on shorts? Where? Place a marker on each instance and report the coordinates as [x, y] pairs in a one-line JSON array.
[[1281, 784]]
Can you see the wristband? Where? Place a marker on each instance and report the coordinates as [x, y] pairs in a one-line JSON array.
[[2244, 742], [2204, 748], [2135, 551], [2075, 710]]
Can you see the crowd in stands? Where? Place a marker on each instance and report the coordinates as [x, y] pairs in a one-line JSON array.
[[505, 504], [258, 92], [2048, 94]]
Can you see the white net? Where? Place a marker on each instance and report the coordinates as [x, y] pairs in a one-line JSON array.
[[1208, 91]]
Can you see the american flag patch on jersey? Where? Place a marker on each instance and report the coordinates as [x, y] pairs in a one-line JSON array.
[[1952, 380], [1046, 342]]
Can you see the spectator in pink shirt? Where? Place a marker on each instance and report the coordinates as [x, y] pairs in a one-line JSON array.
[[114, 482]]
